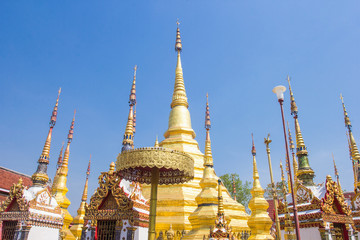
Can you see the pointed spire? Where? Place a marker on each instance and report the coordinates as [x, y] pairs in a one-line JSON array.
[[208, 160], [295, 164], [179, 95], [259, 221], [133, 98], [255, 170], [305, 173], [40, 177], [253, 150], [84, 196], [70, 138], [59, 188], [59, 162], [354, 149], [220, 200], [78, 223], [134, 120], [156, 142], [354, 163], [128, 141]]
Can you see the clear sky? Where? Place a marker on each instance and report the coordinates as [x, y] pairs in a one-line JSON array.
[[237, 51]]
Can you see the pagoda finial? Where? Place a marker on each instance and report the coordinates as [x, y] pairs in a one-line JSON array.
[[59, 162], [112, 168], [253, 150], [208, 160], [128, 141], [346, 117], [156, 142], [179, 95], [84, 196], [336, 173], [70, 138], [353, 146], [134, 120], [305, 173], [40, 177], [178, 45]]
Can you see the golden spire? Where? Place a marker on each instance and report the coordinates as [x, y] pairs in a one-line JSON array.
[[84, 196], [70, 137], [78, 222], [179, 95], [40, 177], [208, 160], [354, 164], [156, 142], [133, 98], [128, 141], [259, 221], [305, 173], [354, 149], [295, 165], [59, 188], [336, 173], [59, 162]]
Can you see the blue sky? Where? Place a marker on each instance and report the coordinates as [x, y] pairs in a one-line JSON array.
[[237, 51]]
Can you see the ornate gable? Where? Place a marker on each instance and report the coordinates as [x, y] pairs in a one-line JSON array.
[[109, 201], [334, 201], [15, 201]]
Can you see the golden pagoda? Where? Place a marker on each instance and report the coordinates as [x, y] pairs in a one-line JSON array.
[[176, 202], [78, 222], [259, 221], [206, 213], [59, 188]]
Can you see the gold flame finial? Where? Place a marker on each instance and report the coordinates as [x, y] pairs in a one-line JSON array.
[[208, 160], [40, 177], [346, 117], [179, 95]]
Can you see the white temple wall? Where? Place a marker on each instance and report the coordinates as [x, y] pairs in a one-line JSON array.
[[43, 233], [141, 233], [307, 233]]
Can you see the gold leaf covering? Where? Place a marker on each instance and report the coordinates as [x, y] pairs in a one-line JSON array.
[[136, 165]]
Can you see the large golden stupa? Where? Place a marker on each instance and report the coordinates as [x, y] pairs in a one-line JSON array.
[[177, 202]]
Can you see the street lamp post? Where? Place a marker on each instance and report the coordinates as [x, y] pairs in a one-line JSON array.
[[279, 91]]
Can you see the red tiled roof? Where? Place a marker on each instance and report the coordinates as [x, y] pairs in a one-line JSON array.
[[9, 177]]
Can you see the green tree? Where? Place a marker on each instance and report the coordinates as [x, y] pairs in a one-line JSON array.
[[278, 189], [243, 194]]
